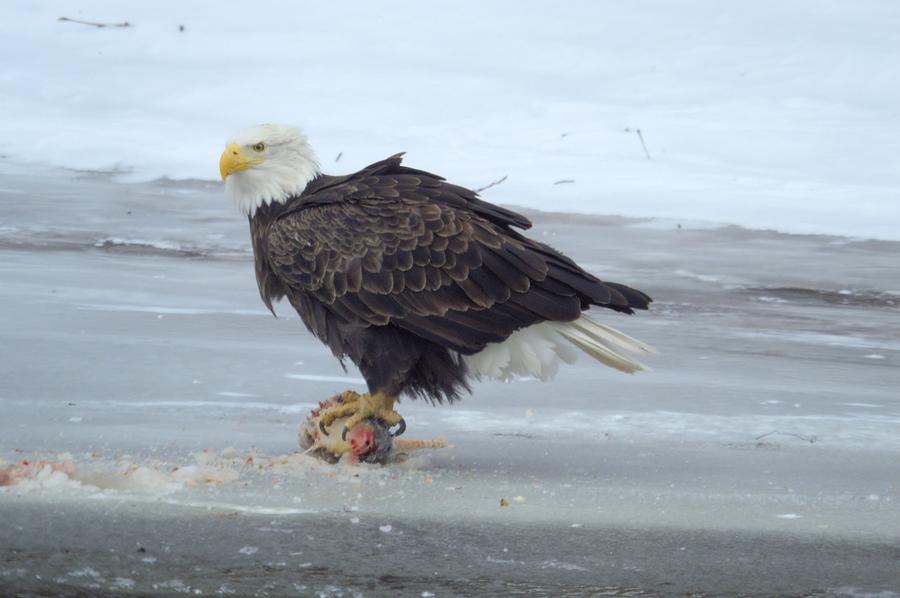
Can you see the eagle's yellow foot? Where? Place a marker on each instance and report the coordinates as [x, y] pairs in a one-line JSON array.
[[378, 406], [360, 407], [346, 405]]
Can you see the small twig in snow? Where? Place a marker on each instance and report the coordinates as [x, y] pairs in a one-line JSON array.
[[494, 184], [338, 159], [809, 439], [95, 24], [643, 145], [564, 181]]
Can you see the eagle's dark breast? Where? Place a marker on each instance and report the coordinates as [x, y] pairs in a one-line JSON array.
[[403, 272]]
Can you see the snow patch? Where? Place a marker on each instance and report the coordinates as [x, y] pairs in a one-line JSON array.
[[64, 476], [733, 135]]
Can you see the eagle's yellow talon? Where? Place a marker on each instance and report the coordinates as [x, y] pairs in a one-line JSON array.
[[346, 405], [401, 429]]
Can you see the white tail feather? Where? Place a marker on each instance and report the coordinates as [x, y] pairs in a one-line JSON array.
[[537, 350]]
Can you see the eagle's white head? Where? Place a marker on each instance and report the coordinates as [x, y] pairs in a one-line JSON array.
[[266, 163]]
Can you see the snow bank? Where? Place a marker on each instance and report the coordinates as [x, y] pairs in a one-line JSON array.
[[64, 475], [766, 114]]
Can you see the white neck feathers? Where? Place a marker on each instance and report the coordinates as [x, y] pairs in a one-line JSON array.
[[287, 166]]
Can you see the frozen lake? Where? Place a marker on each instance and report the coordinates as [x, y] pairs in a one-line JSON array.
[[758, 457]]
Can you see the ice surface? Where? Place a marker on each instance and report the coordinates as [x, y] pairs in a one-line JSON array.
[[157, 402], [768, 114]]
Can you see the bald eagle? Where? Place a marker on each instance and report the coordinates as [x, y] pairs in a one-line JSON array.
[[419, 282]]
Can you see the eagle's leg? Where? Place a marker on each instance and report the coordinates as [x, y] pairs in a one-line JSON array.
[[360, 407]]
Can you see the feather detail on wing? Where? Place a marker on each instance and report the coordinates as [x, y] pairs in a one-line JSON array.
[[392, 246]]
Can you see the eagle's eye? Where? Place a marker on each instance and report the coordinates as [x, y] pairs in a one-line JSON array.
[[258, 147]]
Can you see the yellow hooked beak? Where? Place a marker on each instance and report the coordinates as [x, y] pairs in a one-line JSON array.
[[234, 160]]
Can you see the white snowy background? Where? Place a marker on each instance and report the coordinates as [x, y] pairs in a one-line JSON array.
[[767, 114]]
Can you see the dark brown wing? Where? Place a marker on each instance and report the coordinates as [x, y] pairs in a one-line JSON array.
[[423, 183], [407, 249], [270, 287]]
